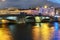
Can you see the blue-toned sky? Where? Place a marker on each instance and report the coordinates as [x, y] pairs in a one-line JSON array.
[[55, 1], [24, 3]]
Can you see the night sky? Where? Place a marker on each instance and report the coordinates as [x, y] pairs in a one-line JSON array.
[[23, 3]]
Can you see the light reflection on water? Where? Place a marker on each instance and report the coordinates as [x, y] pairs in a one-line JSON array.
[[46, 33], [39, 32], [5, 34], [36, 32]]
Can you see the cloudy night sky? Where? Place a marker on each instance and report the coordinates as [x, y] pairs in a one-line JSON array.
[[27, 3]]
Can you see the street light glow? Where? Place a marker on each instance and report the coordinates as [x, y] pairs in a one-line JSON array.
[[45, 6], [3, 0]]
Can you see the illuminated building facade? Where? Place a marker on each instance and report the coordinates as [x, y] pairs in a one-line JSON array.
[[47, 11]]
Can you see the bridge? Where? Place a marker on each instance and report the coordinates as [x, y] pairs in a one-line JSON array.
[[13, 18]]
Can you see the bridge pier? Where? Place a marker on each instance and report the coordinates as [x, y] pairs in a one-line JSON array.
[[20, 19]]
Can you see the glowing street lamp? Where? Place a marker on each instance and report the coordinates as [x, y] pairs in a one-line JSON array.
[[37, 8], [3, 0], [45, 6]]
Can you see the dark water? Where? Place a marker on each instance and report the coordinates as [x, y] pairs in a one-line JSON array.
[[29, 31], [16, 31]]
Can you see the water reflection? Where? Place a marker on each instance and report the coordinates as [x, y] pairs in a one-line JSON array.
[[45, 32], [36, 32], [56, 25], [56, 35], [12, 28], [5, 34], [39, 31]]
